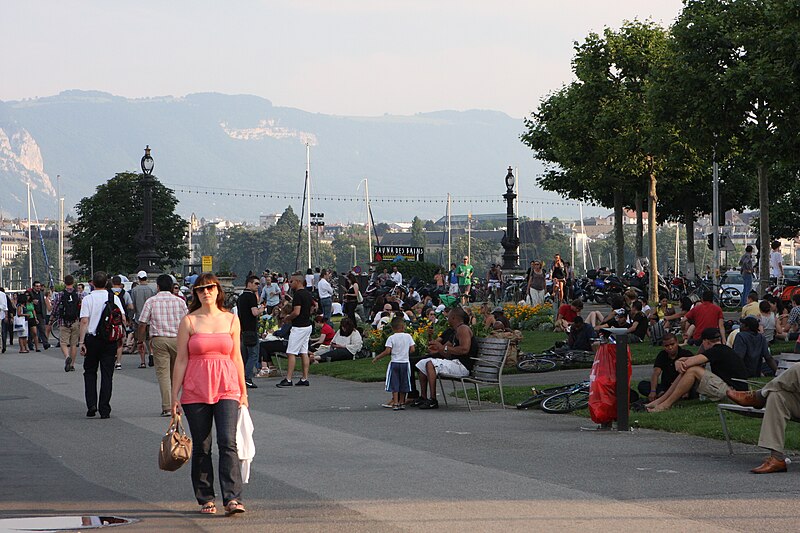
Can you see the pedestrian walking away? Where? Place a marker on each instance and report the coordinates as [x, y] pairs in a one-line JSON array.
[[97, 350], [140, 295], [66, 318], [210, 389]]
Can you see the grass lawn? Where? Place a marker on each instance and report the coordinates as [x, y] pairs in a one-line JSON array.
[[359, 370], [691, 417]]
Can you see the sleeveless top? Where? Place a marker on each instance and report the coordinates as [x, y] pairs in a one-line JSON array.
[[466, 359], [558, 271], [211, 375]]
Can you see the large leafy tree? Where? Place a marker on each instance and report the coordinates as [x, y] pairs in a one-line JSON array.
[[418, 237], [108, 223]]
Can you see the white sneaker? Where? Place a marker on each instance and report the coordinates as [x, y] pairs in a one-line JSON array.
[[263, 373]]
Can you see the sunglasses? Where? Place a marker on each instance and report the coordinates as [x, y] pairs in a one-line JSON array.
[[208, 288]]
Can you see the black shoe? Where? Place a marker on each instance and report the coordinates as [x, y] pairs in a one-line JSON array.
[[284, 383], [105, 416], [418, 402], [250, 384], [67, 364], [302, 383], [430, 404], [46, 346], [150, 361], [91, 412]]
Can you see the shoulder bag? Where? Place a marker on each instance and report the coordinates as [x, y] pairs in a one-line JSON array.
[[176, 446]]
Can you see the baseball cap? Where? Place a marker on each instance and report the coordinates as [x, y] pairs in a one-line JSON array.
[[620, 312], [710, 334], [141, 274], [497, 309]]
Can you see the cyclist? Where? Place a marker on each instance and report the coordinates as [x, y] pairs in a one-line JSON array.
[[493, 281]]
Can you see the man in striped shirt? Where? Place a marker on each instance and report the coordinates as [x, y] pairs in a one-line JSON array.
[[163, 313]]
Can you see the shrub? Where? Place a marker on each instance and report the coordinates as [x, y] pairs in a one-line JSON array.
[[409, 269]]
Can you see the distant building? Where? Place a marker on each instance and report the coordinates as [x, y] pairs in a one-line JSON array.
[[267, 221]]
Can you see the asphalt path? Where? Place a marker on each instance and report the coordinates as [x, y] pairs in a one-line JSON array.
[[329, 458]]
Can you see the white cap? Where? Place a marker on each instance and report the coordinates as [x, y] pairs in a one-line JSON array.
[[141, 274]]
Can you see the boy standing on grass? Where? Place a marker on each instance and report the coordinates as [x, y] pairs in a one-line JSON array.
[[398, 376]]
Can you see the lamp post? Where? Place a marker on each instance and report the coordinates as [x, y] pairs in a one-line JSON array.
[[355, 261], [148, 257], [510, 241]]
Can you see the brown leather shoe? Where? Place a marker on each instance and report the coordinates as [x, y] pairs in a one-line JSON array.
[[747, 398], [770, 466]]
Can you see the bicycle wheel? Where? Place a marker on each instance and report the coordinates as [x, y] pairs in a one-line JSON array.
[[536, 365], [565, 402], [540, 395], [731, 297], [581, 356]]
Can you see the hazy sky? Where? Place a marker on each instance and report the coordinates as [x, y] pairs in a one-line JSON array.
[[347, 57]]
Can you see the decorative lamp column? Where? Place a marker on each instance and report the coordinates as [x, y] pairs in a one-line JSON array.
[[148, 257], [510, 241]]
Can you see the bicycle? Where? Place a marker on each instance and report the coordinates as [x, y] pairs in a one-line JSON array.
[[553, 359], [723, 296], [537, 395], [574, 398]]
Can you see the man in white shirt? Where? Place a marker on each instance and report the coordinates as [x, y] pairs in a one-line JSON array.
[[3, 311], [325, 295], [98, 351], [396, 276], [775, 262]]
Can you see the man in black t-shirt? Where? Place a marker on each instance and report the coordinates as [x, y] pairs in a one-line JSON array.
[[300, 318], [249, 310], [725, 365], [664, 367], [638, 323]]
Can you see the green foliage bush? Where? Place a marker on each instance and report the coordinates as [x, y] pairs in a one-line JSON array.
[[409, 269]]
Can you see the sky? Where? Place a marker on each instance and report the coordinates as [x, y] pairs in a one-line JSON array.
[[343, 57]]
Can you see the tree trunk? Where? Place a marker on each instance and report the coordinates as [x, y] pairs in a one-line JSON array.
[[688, 216], [637, 202], [619, 237], [763, 229], [651, 231]]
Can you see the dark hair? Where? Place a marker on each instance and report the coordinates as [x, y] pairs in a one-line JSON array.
[[577, 302], [250, 279], [164, 282], [637, 304], [764, 306], [748, 249], [459, 312], [796, 298], [37, 282], [22, 298], [750, 323], [668, 337], [398, 322], [69, 279], [776, 245], [617, 301], [346, 326], [352, 278], [206, 279], [309, 271], [578, 321], [116, 280], [100, 279], [708, 296], [753, 296]]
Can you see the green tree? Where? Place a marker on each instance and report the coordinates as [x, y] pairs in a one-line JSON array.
[[343, 251], [207, 241], [41, 272], [418, 237], [109, 221]]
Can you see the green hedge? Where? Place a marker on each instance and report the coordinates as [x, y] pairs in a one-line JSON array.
[[423, 270]]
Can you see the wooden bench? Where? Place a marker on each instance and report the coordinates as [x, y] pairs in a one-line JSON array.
[[487, 369]]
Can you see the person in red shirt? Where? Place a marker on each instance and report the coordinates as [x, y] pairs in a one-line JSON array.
[[567, 313], [705, 315]]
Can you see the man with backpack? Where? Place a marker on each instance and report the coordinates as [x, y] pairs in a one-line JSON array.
[[66, 317], [124, 297], [102, 326]]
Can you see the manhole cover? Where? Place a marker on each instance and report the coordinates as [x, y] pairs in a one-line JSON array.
[[62, 523]]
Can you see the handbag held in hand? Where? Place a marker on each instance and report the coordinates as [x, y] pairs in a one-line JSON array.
[[176, 446]]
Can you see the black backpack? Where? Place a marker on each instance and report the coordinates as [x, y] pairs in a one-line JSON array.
[[70, 306]]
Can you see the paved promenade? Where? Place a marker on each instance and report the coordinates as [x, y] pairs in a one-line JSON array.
[[330, 459]]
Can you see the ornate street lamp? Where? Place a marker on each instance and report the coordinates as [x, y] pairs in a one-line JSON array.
[[148, 257], [510, 241]]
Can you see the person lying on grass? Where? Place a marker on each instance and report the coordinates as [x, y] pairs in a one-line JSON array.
[[725, 366]]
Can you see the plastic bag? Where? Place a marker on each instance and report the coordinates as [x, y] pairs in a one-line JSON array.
[[603, 384]]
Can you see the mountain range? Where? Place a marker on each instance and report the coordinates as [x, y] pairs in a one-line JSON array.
[[239, 144]]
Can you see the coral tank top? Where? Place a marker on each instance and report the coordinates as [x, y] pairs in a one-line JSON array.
[[211, 375]]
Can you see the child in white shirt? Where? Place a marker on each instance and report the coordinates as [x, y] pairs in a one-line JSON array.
[[398, 374]]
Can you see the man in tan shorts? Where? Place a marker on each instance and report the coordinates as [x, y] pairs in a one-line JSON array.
[[726, 365], [66, 317]]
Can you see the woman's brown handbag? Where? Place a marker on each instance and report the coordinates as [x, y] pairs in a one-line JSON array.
[[176, 446]]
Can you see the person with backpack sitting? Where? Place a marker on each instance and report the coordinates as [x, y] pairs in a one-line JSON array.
[[102, 326], [66, 317]]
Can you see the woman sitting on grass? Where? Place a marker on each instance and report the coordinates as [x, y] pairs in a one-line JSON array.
[[345, 345]]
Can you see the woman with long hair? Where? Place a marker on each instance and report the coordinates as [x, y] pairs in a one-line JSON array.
[[209, 373], [351, 297]]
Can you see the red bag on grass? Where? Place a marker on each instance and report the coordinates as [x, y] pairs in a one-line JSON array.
[[603, 384]]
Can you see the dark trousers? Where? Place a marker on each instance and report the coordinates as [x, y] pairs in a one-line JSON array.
[[350, 310], [250, 359], [337, 354], [268, 348], [8, 326], [41, 331], [414, 360], [99, 353], [4, 325], [224, 415]]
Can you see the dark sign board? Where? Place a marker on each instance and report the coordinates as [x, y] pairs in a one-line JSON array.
[[409, 253]]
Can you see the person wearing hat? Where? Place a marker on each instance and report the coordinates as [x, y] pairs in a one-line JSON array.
[[726, 365], [140, 294], [752, 347], [499, 315]]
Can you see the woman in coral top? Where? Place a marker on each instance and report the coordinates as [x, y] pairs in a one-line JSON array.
[[210, 374]]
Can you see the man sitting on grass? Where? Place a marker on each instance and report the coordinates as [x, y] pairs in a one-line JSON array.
[[664, 368], [725, 365], [567, 314]]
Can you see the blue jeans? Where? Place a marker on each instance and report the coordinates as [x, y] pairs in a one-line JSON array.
[[224, 415], [326, 305], [250, 358], [747, 279]]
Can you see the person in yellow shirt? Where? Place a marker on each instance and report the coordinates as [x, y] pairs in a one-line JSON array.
[[751, 309]]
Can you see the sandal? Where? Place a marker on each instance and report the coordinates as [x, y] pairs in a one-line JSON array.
[[208, 508], [234, 507], [142, 365]]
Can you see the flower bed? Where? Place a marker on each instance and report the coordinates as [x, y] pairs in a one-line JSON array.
[[530, 317]]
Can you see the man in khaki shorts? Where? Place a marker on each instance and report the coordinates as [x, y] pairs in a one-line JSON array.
[[714, 384], [66, 317]]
